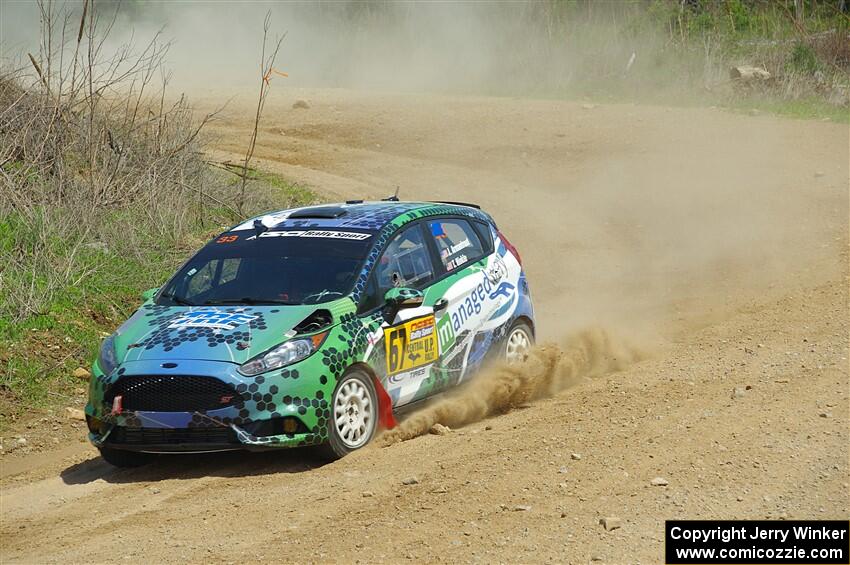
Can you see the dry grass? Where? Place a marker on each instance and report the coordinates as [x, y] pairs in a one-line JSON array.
[[103, 192], [95, 161]]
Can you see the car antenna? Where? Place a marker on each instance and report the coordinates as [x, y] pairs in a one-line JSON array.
[[393, 198]]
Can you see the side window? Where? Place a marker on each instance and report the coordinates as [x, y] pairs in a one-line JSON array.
[[457, 242], [404, 263], [485, 235]]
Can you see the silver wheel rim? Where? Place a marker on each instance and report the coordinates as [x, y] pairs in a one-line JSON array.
[[353, 413], [518, 345]]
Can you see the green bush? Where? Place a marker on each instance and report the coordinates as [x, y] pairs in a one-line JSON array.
[[803, 59]]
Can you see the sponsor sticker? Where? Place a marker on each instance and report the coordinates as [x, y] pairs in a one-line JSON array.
[[497, 269], [349, 235], [411, 344], [445, 333], [470, 308], [211, 319], [399, 378], [504, 289]]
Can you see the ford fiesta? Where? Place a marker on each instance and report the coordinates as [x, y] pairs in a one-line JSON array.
[[310, 326]]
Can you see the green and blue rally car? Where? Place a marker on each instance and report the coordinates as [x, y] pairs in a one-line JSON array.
[[310, 326]]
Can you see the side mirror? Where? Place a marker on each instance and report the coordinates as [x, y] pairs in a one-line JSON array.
[[404, 298], [148, 294], [398, 298]]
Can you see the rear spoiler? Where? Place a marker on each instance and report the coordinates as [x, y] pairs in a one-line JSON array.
[[476, 206]]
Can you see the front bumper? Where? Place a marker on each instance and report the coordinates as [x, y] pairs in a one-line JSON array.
[[149, 435], [189, 440], [253, 420]]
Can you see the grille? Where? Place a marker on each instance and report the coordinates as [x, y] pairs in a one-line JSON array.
[[172, 436], [171, 393]]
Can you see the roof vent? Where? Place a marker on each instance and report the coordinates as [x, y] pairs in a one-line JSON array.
[[327, 212]]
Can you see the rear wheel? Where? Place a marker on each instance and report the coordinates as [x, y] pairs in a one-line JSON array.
[[519, 341], [354, 414], [121, 458]]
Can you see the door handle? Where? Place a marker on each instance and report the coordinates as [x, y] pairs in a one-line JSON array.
[[441, 304]]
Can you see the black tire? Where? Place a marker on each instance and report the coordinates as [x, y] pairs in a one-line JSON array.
[[337, 445], [122, 458], [520, 325]]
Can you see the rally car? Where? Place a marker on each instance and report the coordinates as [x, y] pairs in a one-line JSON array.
[[310, 326]]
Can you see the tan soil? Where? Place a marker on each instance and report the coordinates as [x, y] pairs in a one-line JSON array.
[[715, 244]]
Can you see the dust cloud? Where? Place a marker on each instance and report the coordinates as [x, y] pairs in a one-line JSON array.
[[519, 48], [548, 370]]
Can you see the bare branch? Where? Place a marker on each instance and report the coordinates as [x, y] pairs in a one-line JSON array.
[[266, 67]]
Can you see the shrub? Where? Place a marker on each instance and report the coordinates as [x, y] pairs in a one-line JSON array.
[[802, 59]]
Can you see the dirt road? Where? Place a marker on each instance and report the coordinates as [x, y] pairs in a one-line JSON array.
[[713, 243]]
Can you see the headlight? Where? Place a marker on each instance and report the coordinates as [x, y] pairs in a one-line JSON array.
[[285, 354], [107, 360]]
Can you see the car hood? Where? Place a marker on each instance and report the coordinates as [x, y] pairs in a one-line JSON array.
[[233, 334]]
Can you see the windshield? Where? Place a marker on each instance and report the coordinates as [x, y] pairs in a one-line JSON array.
[[278, 267]]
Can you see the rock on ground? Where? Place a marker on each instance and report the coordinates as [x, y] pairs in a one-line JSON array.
[[440, 430], [75, 414]]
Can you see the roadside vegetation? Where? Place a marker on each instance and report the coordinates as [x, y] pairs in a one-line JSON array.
[[105, 190], [683, 52], [672, 52]]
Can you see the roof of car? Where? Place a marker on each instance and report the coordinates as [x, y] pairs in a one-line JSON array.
[[372, 216]]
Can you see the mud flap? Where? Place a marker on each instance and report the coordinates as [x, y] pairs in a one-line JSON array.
[[386, 420]]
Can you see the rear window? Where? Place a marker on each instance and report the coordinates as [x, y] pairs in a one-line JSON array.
[[277, 267], [457, 242]]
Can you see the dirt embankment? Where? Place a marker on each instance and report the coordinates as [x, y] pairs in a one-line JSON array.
[[714, 244]]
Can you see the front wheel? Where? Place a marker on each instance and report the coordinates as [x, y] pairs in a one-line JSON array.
[[122, 458], [518, 343], [354, 414]]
